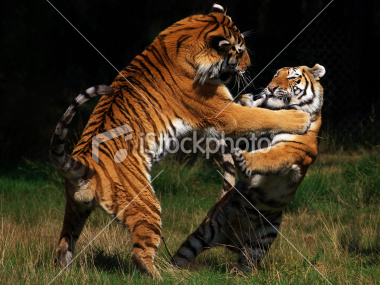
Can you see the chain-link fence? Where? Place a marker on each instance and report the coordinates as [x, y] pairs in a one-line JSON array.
[[337, 43]]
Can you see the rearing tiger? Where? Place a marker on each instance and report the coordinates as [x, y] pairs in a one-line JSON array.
[[268, 177], [175, 86]]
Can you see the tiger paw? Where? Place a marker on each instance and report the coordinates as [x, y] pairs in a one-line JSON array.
[[246, 100], [251, 100], [179, 261], [84, 196], [294, 121], [241, 163]]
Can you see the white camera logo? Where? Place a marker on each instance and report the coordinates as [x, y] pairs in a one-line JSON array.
[[121, 154]]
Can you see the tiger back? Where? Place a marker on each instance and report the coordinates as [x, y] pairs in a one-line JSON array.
[[246, 218]]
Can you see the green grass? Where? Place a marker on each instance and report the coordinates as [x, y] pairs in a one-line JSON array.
[[333, 221]]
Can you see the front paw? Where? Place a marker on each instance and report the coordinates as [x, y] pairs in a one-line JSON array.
[[296, 121], [240, 162], [246, 100], [251, 100]]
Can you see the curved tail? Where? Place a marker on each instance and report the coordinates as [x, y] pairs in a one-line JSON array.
[[70, 167]]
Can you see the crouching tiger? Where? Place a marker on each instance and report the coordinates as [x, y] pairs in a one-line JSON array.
[[268, 178], [177, 85]]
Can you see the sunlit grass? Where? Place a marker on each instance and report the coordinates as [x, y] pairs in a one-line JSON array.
[[333, 221]]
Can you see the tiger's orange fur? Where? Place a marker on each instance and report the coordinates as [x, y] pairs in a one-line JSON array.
[[175, 86]]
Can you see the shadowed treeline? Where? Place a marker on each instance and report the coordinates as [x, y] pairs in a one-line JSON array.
[[45, 63]]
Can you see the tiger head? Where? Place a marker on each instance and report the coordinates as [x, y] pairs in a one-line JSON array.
[[295, 88], [208, 48]]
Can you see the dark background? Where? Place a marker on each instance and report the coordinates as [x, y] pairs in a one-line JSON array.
[[45, 62]]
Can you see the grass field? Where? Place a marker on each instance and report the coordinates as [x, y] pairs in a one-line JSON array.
[[334, 221]]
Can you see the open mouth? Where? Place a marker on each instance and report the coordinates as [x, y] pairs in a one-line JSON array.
[[226, 76]]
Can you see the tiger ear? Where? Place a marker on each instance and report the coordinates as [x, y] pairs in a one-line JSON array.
[[217, 8], [317, 71]]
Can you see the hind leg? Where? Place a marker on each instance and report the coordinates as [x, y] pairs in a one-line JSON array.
[[258, 243], [140, 212], [212, 231], [204, 237], [146, 234], [73, 223]]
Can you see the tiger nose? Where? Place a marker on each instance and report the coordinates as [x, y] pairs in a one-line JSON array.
[[272, 88]]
